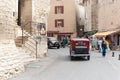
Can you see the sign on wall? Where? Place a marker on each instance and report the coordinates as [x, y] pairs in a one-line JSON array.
[[42, 28]]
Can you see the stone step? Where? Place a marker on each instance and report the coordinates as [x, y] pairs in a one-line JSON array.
[[33, 50]]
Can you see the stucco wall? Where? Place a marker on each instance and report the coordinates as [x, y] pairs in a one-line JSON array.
[[40, 10], [69, 16]]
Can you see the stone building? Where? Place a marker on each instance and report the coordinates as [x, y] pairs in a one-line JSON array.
[[81, 17], [90, 14], [20, 38], [7, 19], [105, 19], [34, 13], [62, 19]]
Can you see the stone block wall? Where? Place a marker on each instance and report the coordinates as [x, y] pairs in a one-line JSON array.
[[40, 12], [109, 13], [7, 19], [104, 14]]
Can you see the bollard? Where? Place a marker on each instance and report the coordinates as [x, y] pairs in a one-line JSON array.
[[113, 54], [119, 57]]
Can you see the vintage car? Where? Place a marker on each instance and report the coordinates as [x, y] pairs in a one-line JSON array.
[[53, 42], [79, 48]]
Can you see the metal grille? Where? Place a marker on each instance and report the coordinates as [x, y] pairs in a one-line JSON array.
[[81, 51]]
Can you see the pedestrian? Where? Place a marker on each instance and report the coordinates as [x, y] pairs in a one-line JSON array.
[[63, 42], [100, 45], [104, 47]]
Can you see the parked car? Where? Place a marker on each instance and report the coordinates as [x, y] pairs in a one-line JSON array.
[[53, 42]]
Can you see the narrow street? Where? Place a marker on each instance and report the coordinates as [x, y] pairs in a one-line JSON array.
[[58, 66]]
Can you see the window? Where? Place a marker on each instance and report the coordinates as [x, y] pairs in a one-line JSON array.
[[59, 23], [59, 10], [13, 13]]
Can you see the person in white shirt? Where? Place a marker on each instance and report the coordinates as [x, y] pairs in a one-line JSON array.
[[100, 45]]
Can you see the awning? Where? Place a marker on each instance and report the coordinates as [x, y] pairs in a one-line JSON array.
[[65, 33], [90, 32], [105, 33], [53, 32]]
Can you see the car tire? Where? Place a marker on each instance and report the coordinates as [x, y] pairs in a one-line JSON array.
[[58, 47], [71, 58], [88, 57], [48, 46]]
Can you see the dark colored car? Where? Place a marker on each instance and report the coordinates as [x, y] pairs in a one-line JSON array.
[[53, 42]]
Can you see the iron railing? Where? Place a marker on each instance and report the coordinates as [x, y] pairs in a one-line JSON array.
[[30, 30]]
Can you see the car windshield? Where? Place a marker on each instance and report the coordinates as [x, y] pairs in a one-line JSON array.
[[53, 39]]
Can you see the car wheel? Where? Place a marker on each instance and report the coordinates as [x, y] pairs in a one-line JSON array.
[[49, 46], [71, 58], [88, 57], [58, 47]]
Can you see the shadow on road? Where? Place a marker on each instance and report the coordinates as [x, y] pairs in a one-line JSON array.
[[67, 58]]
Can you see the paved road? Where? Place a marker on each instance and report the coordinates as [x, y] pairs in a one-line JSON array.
[[57, 66]]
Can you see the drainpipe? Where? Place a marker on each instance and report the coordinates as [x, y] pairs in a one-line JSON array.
[[19, 12]]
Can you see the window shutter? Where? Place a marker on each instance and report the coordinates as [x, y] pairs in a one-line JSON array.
[[62, 22], [55, 9], [62, 9], [55, 23]]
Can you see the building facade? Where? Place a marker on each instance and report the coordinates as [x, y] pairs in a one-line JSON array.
[[62, 19], [33, 17], [16, 17], [82, 17], [108, 18], [105, 18]]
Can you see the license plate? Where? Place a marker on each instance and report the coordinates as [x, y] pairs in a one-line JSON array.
[[81, 47]]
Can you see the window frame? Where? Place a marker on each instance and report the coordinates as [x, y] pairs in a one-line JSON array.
[[59, 22]]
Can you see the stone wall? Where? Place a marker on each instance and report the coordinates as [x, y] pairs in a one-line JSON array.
[[26, 10], [109, 13], [88, 24], [94, 15], [104, 14], [40, 12], [7, 19], [11, 59]]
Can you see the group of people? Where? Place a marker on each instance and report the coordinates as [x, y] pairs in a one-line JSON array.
[[101, 44], [65, 41]]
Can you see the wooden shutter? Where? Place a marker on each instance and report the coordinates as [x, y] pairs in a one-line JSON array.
[[62, 22], [62, 9], [55, 9], [55, 23]]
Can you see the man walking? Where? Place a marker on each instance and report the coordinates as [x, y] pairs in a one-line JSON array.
[[104, 47]]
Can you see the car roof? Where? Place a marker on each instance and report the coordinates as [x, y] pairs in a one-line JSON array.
[[80, 39], [51, 37]]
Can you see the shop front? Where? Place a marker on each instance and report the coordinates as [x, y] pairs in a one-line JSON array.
[[112, 37], [59, 35]]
